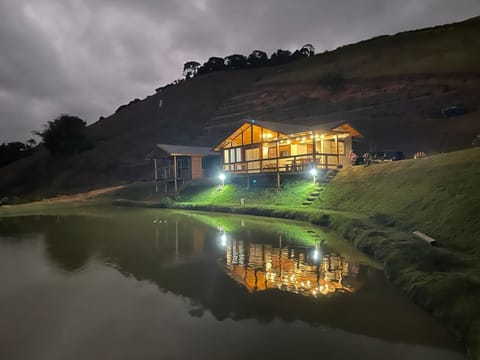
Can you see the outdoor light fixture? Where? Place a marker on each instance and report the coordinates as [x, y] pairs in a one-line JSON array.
[[314, 174], [222, 179]]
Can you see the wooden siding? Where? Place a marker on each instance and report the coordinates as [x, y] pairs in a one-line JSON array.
[[197, 171]]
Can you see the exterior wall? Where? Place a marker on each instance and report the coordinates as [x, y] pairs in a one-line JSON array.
[[345, 158], [197, 171]]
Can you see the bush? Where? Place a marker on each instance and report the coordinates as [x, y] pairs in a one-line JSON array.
[[66, 135]]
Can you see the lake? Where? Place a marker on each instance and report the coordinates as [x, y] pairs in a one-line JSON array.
[[113, 283]]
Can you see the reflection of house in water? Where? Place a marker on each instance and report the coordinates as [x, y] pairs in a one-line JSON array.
[[300, 270]]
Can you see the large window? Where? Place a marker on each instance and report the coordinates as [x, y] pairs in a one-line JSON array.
[[330, 147], [234, 155]]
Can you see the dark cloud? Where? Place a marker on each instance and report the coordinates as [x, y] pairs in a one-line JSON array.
[[88, 57]]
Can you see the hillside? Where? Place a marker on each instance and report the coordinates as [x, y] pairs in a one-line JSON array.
[[393, 92]]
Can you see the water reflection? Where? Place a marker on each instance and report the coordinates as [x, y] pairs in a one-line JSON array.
[[300, 270]]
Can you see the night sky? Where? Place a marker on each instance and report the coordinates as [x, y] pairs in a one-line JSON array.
[[87, 57]]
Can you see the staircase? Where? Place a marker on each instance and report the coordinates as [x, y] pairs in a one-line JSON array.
[[323, 179]]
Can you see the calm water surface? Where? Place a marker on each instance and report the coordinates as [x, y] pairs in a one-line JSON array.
[[154, 284]]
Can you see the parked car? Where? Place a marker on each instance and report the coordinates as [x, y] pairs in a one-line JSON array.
[[378, 157], [381, 156]]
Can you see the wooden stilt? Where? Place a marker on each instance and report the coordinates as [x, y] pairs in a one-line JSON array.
[[175, 173], [155, 174]]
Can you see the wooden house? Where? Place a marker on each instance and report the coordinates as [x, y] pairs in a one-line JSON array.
[[258, 147], [174, 164]]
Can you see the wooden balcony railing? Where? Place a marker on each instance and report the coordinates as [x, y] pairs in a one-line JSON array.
[[284, 164]]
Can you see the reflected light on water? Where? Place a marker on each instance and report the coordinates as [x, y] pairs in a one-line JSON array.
[[259, 267]]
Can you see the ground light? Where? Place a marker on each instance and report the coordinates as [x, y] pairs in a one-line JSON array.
[[222, 178], [314, 174]]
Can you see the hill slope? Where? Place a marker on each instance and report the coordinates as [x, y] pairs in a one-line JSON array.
[[394, 89]]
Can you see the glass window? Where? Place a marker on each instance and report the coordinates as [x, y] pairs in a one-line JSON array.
[[239, 154], [226, 157], [232, 155]]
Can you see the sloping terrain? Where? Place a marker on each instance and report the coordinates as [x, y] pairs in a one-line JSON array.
[[391, 88]]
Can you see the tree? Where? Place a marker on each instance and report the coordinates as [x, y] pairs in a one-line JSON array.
[[13, 151], [213, 64], [66, 135], [190, 69], [280, 57], [257, 58], [235, 61], [307, 50]]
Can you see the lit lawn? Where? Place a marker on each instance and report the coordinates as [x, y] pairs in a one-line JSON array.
[[291, 195]]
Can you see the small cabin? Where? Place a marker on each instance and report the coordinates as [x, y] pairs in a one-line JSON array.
[[174, 164], [258, 147]]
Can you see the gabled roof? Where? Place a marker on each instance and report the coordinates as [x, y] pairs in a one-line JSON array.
[[282, 127], [289, 129], [181, 150]]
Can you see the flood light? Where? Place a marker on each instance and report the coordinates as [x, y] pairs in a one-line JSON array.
[[222, 179]]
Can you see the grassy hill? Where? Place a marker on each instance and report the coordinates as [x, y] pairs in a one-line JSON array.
[[393, 90]]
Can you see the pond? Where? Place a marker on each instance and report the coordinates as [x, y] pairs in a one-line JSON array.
[[116, 283]]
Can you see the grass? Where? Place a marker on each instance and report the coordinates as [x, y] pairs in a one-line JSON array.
[[292, 194], [437, 195]]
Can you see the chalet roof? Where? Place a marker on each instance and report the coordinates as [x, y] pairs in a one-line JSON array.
[[339, 126], [282, 127], [181, 150]]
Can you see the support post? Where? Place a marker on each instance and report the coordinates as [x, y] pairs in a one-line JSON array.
[[175, 172], [155, 174], [323, 159], [314, 150], [336, 146]]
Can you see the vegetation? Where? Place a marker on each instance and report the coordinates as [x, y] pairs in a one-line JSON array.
[[438, 195], [256, 59], [13, 151], [66, 135]]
